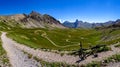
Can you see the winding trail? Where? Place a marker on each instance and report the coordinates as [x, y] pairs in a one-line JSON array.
[[58, 45], [16, 56], [19, 59], [45, 36]]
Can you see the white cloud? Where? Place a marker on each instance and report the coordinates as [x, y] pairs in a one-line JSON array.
[[61, 20]]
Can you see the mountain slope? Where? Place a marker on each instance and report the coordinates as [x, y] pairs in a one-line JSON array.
[[33, 20]]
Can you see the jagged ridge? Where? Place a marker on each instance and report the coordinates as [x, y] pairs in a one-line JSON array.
[[32, 20]]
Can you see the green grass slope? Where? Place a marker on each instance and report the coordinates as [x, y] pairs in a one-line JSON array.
[[60, 39], [66, 39]]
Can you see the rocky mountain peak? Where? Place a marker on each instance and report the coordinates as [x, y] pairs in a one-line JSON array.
[[34, 13], [50, 19], [117, 21], [33, 20]]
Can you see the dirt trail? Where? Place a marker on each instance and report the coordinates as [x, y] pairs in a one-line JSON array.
[[16, 56], [114, 64], [45, 36], [52, 57], [117, 51]]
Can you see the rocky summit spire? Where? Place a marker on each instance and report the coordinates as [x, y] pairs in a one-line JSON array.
[[76, 20], [34, 13]]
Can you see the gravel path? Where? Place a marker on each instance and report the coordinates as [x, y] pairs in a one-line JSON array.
[[114, 64], [47, 56], [53, 57], [17, 57], [117, 51]]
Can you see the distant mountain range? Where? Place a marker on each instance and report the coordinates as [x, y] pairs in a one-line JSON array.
[[32, 20], [81, 24], [37, 20]]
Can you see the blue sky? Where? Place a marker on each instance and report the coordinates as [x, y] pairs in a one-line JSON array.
[[86, 10]]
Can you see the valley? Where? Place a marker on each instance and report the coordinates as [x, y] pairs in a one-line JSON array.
[[59, 33], [48, 56], [45, 45]]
